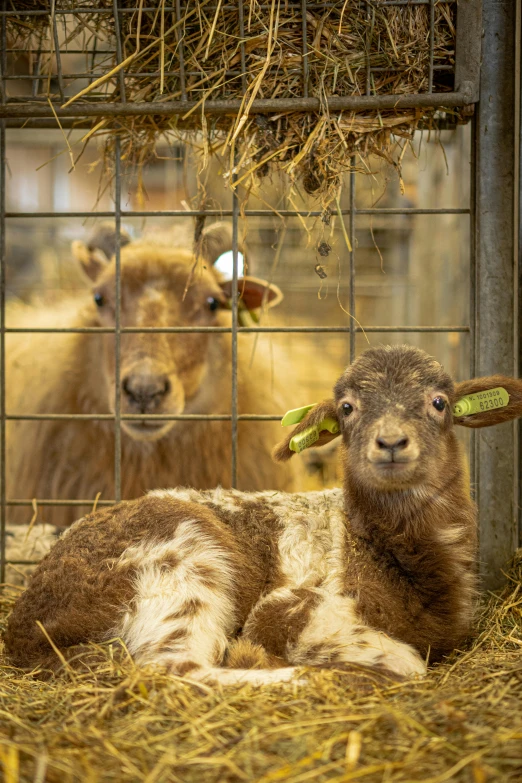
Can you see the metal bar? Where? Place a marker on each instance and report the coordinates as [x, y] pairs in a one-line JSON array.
[[306, 70], [495, 301], [353, 331], [92, 74], [59, 502], [140, 417], [179, 38], [228, 329], [3, 263], [228, 213], [117, 321], [232, 106], [234, 401], [36, 74], [57, 54], [3, 467], [473, 311], [119, 51], [242, 44], [431, 45], [227, 6], [368, 47], [468, 53]]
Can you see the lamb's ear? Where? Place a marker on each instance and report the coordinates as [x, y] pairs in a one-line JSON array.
[[323, 410], [490, 414], [254, 293], [96, 254]]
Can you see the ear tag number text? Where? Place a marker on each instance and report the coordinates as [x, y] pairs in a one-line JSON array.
[[481, 402]]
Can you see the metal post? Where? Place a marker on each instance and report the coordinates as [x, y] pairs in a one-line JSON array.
[[353, 330], [117, 322], [3, 264], [497, 468], [3, 507], [234, 401]]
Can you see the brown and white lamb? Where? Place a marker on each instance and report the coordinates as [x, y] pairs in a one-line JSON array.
[[198, 582], [160, 374]]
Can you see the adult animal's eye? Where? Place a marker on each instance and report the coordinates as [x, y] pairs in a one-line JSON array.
[[213, 303], [439, 404], [98, 298], [347, 408]]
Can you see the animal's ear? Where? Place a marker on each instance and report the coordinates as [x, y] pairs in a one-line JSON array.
[[92, 261], [487, 410], [254, 293], [315, 416], [214, 241], [96, 254]]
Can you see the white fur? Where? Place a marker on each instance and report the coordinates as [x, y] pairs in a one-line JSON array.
[[334, 629], [162, 591]]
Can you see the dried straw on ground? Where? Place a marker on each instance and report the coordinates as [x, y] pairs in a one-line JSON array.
[[255, 57], [113, 723]]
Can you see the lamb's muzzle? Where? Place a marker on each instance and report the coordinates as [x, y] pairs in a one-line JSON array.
[[195, 581]]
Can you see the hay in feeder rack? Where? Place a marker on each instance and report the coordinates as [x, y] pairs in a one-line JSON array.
[[311, 89]]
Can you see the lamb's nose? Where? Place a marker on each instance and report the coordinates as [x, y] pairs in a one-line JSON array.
[[392, 443], [145, 390]]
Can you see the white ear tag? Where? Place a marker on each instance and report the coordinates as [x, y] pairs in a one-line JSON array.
[[225, 264]]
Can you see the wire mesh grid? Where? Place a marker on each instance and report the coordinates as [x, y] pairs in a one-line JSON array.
[[13, 108]]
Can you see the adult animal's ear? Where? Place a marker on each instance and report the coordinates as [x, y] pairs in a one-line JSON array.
[[254, 293], [214, 241], [490, 416], [96, 254], [323, 410]]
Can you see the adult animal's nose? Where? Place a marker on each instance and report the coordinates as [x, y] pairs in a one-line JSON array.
[[145, 391], [392, 443]]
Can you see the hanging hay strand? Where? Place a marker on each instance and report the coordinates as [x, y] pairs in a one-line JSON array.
[[107, 720], [219, 51]]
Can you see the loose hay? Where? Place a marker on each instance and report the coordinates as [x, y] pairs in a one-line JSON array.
[[114, 722], [353, 48]]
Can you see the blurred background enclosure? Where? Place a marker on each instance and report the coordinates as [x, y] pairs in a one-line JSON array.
[[411, 254]]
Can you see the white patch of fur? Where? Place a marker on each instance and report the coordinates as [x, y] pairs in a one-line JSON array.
[[303, 546], [334, 633], [255, 677], [163, 590]]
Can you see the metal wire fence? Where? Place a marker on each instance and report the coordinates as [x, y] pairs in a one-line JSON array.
[[34, 110]]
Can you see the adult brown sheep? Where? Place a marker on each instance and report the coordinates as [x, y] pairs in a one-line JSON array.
[[165, 373]]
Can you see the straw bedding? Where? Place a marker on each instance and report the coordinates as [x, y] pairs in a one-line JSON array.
[[114, 722], [343, 40]]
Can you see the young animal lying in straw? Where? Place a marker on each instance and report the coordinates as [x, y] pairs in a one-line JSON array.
[[388, 582], [161, 373]]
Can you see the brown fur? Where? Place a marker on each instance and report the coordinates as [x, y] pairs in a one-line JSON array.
[[78, 593], [279, 622], [75, 374]]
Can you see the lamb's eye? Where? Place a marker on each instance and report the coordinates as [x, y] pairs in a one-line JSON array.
[[98, 298], [213, 303], [439, 404], [347, 408]]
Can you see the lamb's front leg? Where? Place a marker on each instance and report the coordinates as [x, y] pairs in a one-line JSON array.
[[316, 628], [184, 608]]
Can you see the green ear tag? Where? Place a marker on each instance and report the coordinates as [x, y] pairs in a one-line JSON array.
[[295, 415], [481, 402], [309, 436]]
